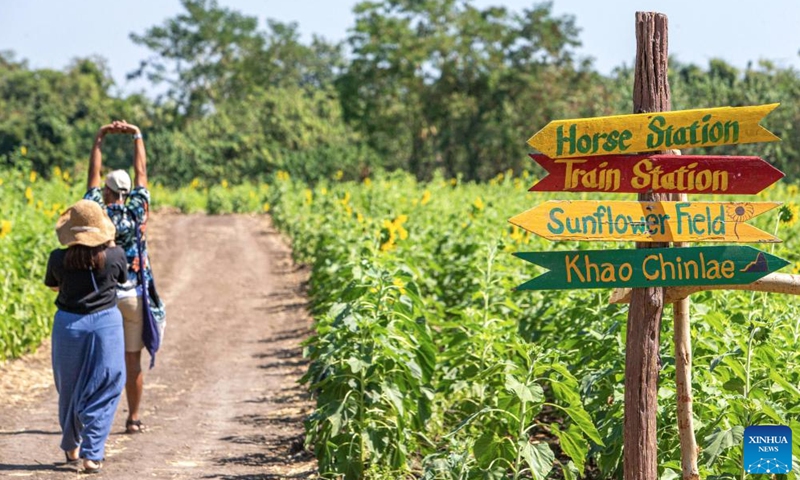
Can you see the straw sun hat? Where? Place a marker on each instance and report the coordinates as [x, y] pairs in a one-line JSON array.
[[85, 223]]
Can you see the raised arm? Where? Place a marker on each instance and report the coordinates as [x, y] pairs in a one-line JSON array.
[[96, 160], [96, 157], [139, 160], [139, 154]]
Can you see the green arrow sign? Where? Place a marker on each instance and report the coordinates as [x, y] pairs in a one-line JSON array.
[[728, 265]]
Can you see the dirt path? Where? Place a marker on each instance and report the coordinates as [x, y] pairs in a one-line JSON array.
[[222, 401]]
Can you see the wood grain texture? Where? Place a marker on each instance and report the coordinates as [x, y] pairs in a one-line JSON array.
[[682, 338], [643, 335]]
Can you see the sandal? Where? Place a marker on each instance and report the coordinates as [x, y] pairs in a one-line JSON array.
[[89, 469], [70, 461], [134, 426]]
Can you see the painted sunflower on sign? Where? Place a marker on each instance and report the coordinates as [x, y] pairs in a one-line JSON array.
[[739, 212]]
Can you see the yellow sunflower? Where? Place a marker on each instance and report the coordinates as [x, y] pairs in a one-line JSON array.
[[5, 228], [787, 214]]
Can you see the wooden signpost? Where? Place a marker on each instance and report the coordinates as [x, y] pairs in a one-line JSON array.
[[643, 330], [710, 174], [646, 132], [724, 265], [652, 221], [597, 220]]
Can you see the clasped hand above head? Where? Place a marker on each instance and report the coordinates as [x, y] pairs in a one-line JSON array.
[[119, 127]]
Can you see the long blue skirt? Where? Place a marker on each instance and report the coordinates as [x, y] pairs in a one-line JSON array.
[[89, 369]]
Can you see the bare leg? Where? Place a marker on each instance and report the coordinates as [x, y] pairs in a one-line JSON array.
[[134, 385]]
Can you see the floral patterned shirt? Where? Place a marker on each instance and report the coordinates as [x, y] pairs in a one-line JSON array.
[[125, 218]]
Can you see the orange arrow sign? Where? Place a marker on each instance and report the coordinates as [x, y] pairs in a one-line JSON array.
[[646, 221]]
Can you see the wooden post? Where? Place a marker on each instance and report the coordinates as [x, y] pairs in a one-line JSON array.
[[683, 379], [650, 94]]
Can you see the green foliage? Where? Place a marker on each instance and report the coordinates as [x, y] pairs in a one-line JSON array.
[[724, 85], [424, 363], [289, 129], [243, 103], [434, 85], [373, 359], [197, 51], [27, 220], [54, 115], [410, 288], [218, 201], [210, 55], [442, 84], [526, 385]]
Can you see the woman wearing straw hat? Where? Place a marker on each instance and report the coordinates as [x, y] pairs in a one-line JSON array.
[[88, 345]]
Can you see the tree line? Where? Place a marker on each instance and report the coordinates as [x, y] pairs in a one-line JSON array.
[[419, 85]]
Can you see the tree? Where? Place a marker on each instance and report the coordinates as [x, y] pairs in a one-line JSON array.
[[210, 55], [442, 84], [54, 114]]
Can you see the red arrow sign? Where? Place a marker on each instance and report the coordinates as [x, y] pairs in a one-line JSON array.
[[710, 174]]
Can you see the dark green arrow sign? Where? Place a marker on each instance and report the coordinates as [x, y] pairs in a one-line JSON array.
[[727, 265]]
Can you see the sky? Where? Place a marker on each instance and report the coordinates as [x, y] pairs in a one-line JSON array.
[[50, 33]]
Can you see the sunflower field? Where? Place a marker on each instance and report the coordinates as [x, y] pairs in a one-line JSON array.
[[29, 207], [425, 363]]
